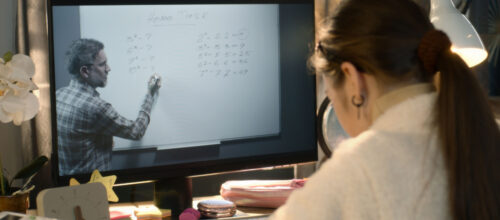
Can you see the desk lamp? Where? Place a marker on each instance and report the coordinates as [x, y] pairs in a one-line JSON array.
[[465, 40]]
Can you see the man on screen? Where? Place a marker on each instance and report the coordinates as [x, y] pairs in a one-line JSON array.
[[86, 123]]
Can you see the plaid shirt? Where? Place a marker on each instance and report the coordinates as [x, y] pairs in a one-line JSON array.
[[86, 125]]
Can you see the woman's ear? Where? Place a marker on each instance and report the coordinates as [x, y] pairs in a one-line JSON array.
[[354, 78]]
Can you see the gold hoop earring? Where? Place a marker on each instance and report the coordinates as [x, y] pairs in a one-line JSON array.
[[358, 105]]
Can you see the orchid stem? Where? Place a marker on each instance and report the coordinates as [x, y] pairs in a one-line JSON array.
[[1, 177]]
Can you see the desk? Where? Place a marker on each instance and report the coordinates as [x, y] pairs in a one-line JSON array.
[[250, 213]]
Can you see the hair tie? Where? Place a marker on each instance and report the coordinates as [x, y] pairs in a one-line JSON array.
[[433, 43]]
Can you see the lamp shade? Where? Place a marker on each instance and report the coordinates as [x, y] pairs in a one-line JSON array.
[[464, 38]]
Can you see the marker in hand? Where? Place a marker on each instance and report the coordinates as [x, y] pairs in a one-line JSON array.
[[154, 83]]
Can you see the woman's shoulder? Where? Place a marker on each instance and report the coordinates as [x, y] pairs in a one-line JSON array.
[[411, 115], [403, 134]]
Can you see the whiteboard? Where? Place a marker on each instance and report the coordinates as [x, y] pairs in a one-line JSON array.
[[219, 66]]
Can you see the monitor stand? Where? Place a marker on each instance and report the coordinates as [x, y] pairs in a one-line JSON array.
[[174, 194]]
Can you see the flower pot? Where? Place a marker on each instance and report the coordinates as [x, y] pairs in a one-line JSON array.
[[18, 203]]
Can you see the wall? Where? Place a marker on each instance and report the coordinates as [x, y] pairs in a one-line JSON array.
[[10, 135]]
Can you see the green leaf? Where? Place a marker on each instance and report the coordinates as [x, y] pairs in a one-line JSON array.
[[5, 186], [7, 56], [32, 168], [3, 183]]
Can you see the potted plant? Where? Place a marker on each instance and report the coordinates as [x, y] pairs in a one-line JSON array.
[[16, 199], [17, 104]]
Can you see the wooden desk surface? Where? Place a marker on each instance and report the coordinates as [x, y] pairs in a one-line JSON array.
[[241, 212]]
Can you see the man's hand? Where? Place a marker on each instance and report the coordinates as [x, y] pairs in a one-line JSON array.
[[154, 84]]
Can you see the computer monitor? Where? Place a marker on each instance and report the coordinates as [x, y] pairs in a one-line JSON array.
[[236, 91]]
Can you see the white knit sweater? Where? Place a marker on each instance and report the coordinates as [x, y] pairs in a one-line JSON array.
[[394, 170]]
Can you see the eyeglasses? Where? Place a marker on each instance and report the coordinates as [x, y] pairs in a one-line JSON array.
[[320, 48], [333, 57], [329, 54]]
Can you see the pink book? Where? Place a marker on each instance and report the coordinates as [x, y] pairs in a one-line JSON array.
[[260, 193]]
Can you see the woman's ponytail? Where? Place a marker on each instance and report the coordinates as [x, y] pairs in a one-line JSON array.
[[470, 141]]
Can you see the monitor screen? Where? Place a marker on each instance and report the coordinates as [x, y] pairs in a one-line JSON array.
[[235, 90]]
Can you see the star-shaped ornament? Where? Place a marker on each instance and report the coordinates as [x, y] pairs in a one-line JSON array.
[[107, 181]]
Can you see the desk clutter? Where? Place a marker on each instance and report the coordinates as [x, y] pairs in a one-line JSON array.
[[91, 200], [138, 212], [260, 193], [268, 194]]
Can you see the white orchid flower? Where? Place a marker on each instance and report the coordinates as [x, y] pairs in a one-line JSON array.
[[16, 109], [17, 103], [19, 72]]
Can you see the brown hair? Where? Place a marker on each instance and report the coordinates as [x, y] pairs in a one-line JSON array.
[[382, 38]]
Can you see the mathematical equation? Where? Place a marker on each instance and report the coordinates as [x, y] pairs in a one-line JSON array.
[[139, 53], [223, 54]]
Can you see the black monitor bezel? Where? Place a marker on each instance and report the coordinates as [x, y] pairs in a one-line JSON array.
[[168, 171]]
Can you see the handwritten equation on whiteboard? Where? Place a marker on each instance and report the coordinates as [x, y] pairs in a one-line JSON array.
[[218, 53], [139, 53], [223, 54]]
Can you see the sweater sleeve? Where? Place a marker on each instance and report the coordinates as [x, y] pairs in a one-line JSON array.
[[110, 122], [341, 189]]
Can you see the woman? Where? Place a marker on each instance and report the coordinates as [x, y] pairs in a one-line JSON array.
[[417, 152]]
